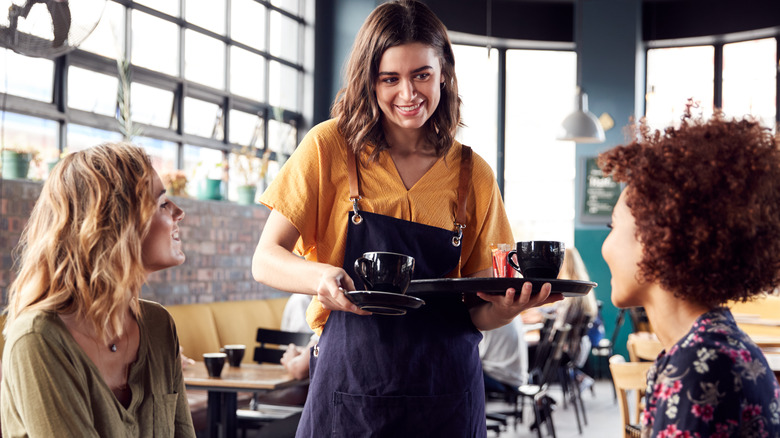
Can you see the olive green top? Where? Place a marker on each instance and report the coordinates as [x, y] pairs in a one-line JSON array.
[[51, 388]]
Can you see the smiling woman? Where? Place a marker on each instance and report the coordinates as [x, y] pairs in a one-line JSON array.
[[76, 326]]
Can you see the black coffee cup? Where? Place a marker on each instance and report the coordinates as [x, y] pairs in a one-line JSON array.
[[214, 363], [538, 258], [385, 271], [235, 354]]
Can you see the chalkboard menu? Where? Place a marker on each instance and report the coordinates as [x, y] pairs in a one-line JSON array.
[[601, 192]]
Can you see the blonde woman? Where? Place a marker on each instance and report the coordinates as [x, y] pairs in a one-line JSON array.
[[84, 356]]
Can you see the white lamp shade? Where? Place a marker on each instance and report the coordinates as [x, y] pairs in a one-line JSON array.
[[582, 126]]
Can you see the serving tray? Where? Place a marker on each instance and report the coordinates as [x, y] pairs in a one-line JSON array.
[[496, 286]]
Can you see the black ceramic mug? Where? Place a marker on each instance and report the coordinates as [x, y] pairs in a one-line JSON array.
[[538, 258], [385, 271], [235, 354], [214, 363]]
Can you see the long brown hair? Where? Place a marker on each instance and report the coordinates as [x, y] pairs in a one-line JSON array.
[[81, 248], [393, 24]]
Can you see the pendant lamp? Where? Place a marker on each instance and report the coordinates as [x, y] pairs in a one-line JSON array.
[[581, 126]]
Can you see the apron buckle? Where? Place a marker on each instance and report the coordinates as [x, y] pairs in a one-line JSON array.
[[458, 234], [356, 219]]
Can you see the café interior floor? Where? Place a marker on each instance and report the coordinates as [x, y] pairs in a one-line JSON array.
[[601, 410]]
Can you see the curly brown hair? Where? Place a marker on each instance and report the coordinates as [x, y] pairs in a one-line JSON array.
[[393, 24], [706, 200]]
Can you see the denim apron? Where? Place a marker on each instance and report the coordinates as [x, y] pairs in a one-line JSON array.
[[417, 375]]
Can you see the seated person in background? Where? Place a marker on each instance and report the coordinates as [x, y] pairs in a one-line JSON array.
[[504, 356], [84, 356], [697, 225], [296, 358]]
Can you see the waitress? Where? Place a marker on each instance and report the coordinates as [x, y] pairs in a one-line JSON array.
[[386, 174]]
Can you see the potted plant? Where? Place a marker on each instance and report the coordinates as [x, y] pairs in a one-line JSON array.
[[209, 179], [16, 161], [175, 182], [251, 170]]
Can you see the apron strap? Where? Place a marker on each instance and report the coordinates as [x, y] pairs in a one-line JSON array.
[[354, 187], [463, 194]]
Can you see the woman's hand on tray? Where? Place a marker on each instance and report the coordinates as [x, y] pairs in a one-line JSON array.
[[502, 309]]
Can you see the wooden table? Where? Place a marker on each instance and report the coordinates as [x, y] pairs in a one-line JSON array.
[[222, 402]]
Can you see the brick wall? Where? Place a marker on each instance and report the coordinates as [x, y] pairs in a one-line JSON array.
[[219, 238]]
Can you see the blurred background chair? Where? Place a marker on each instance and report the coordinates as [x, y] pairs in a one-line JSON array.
[[643, 347], [606, 347], [283, 406], [628, 376]]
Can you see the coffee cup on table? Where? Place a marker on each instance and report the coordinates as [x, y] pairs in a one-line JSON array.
[[385, 271], [214, 363], [538, 258], [235, 353]]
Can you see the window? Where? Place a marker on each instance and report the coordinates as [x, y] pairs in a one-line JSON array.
[[151, 105], [675, 75], [247, 74], [108, 37], [540, 93], [91, 91], [32, 78], [83, 137], [247, 18], [155, 44], [202, 118], [749, 84], [206, 14], [204, 59], [478, 88]]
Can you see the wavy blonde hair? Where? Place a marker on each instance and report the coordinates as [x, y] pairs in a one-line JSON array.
[[81, 249], [393, 24]]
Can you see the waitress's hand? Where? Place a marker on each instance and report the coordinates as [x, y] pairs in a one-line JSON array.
[[502, 309], [334, 282]]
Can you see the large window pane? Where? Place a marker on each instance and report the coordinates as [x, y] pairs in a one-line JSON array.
[[246, 129], [206, 14], [155, 44], [284, 37], [247, 74], [202, 118], [32, 78], [478, 87], [248, 23], [540, 170], [108, 37], [675, 75], [284, 86], [162, 153], [151, 105], [204, 60], [83, 137], [32, 134], [170, 7], [281, 137], [749, 84], [91, 91]]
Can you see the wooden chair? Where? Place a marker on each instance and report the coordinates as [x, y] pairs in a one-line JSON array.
[[643, 347], [628, 376]]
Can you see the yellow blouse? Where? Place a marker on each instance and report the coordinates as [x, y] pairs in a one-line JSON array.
[[312, 192]]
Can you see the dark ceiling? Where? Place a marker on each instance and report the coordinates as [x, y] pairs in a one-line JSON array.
[[552, 20]]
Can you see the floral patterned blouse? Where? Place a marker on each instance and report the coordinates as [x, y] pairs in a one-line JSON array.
[[714, 382]]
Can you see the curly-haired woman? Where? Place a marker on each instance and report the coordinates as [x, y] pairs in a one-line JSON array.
[[697, 225], [84, 356]]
